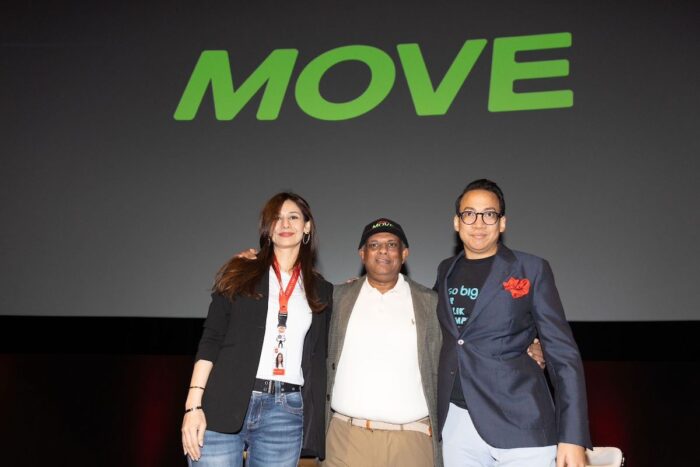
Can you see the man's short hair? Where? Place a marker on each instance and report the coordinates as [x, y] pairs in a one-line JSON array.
[[484, 184]]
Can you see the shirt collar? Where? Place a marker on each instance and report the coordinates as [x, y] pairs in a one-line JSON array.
[[399, 287]]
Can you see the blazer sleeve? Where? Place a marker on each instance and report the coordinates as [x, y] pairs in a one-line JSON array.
[[563, 360], [215, 328]]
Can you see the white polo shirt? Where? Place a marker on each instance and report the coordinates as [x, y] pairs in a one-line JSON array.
[[378, 377]]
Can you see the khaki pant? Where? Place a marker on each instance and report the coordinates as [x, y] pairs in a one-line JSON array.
[[354, 446], [308, 463]]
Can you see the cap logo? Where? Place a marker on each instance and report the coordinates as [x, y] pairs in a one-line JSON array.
[[382, 224]]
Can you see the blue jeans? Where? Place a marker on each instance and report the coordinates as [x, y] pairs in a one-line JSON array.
[[272, 433]]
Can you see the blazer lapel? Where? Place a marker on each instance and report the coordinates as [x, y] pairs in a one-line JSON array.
[[420, 308], [317, 320], [342, 309], [260, 306], [449, 319], [263, 286], [500, 270]]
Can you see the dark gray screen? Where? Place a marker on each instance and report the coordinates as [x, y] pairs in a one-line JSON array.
[[110, 207]]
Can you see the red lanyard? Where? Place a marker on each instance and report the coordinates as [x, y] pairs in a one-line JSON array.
[[286, 293]]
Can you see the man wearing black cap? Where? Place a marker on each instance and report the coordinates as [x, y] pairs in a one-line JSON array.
[[382, 361]]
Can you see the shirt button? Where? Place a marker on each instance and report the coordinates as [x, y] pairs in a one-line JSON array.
[[460, 342]]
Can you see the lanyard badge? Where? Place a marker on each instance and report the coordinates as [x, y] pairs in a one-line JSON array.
[[284, 295]]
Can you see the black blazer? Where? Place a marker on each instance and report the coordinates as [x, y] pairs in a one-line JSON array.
[[233, 338]]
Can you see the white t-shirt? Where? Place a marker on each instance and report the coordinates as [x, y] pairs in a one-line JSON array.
[[280, 358]]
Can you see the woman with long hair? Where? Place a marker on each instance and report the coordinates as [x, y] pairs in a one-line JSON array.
[[240, 397]]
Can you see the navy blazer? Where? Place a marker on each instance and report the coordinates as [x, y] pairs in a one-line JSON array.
[[233, 337], [506, 392]]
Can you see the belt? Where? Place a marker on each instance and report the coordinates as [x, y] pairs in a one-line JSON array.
[[268, 386], [421, 426]]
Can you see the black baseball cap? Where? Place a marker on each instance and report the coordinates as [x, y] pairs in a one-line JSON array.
[[382, 225]]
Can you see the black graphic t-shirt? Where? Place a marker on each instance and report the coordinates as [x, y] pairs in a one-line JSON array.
[[463, 287]]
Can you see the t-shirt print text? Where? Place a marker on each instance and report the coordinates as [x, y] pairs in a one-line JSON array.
[[458, 311]]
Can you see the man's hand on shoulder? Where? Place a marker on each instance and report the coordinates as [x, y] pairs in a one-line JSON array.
[[571, 455], [250, 253]]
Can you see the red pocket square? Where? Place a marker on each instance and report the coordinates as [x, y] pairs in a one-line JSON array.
[[517, 287]]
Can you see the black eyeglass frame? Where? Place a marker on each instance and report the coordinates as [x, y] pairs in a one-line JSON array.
[[476, 216]]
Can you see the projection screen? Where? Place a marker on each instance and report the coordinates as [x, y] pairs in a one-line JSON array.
[[117, 201]]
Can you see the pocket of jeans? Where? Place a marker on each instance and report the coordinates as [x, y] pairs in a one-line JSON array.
[[293, 403]]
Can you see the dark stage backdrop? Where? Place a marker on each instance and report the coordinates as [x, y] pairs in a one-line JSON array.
[[112, 206]]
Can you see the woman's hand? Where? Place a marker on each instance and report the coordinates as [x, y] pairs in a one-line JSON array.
[[193, 426]]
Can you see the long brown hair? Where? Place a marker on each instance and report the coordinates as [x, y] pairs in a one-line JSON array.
[[241, 276]]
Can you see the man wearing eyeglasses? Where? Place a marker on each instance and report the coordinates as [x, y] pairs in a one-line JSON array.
[[494, 405]]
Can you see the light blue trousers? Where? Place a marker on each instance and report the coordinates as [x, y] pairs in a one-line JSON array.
[[463, 447]]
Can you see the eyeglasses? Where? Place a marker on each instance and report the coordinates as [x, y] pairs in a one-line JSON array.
[[468, 216], [391, 245]]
